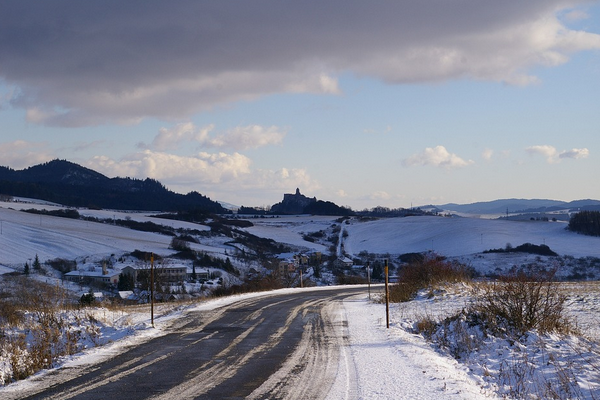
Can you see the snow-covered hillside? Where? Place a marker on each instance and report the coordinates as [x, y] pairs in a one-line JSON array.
[[23, 235], [462, 236], [290, 229], [450, 237]]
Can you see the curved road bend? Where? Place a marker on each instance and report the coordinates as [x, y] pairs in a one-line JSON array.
[[286, 346]]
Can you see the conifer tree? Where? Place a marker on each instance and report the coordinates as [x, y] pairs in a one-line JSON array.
[[36, 263]]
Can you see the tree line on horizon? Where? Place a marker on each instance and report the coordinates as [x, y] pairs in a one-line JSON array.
[[585, 222]]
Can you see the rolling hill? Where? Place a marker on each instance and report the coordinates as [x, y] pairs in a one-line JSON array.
[[521, 206], [70, 184]]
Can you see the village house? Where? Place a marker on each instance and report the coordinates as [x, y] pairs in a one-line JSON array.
[[343, 263], [169, 273], [202, 274], [94, 275], [288, 265]]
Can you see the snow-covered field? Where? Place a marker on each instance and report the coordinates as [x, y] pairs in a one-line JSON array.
[[289, 229], [446, 236], [463, 236], [462, 239], [389, 363], [23, 235]]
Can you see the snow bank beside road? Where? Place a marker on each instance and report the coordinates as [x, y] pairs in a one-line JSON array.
[[394, 364]]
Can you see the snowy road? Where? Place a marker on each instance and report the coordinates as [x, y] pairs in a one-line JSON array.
[[289, 346]]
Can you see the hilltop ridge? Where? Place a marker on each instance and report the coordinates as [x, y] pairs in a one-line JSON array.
[[297, 203], [293, 203], [70, 184], [500, 206]]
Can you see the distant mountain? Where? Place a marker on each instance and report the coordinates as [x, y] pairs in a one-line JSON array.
[[228, 206], [520, 206], [70, 184]]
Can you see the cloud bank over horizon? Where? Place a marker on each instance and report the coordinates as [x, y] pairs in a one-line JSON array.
[[71, 64], [554, 156]]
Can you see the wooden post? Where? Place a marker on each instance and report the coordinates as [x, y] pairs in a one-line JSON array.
[[152, 288], [369, 277], [387, 297]]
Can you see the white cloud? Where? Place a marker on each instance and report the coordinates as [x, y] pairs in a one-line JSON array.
[[553, 156], [487, 154], [137, 60], [576, 15], [328, 84], [83, 146], [283, 178], [575, 153], [204, 172], [437, 157], [181, 133], [341, 193], [248, 137], [172, 169], [370, 131], [21, 154], [239, 138], [380, 195], [545, 150]]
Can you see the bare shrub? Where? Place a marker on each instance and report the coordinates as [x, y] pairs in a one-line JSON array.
[[16, 348], [517, 312], [343, 279], [519, 303], [62, 265], [514, 374], [39, 309], [402, 292], [10, 315], [453, 334], [519, 374], [426, 273], [179, 244], [427, 326]]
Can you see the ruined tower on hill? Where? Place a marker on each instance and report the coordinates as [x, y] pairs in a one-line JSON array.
[[293, 203]]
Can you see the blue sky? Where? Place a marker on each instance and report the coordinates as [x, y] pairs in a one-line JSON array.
[[393, 103]]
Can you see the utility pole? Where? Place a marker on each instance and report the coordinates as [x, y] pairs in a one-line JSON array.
[[369, 278], [152, 288], [387, 297]]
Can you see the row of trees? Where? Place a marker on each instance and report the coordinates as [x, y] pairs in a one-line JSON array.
[[586, 222]]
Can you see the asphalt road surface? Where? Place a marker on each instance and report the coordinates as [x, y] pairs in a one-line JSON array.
[[286, 346]]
